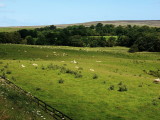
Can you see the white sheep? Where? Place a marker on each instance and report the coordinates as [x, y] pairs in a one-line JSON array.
[[23, 66], [156, 80], [35, 64], [92, 70]]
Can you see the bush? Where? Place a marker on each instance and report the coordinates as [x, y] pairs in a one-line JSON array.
[[155, 73], [2, 69], [63, 70], [55, 67], [37, 89], [8, 72], [133, 49], [50, 67], [155, 102], [122, 88], [70, 71], [43, 68], [61, 81], [104, 82], [30, 40], [78, 75], [120, 83], [111, 87], [95, 76], [140, 85]]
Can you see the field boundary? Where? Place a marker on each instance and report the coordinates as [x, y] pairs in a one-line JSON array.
[[56, 114]]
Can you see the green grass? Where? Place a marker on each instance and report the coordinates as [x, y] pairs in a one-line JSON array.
[[87, 97], [107, 37], [14, 106], [13, 29]]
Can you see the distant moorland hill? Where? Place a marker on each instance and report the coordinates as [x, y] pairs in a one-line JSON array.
[[151, 23]]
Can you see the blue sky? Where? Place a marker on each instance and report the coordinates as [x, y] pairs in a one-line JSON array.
[[47, 12]]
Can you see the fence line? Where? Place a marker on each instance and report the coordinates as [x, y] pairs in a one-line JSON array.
[[56, 114]]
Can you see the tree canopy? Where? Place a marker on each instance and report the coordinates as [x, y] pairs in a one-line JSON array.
[[139, 38]]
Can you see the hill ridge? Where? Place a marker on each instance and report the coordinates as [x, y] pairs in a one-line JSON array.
[[151, 23]]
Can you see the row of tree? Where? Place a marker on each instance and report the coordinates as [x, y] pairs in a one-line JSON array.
[[138, 38]]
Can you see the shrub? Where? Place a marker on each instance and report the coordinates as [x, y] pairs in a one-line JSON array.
[[122, 88], [63, 70], [111, 87], [8, 72], [70, 71], [95, 76], [140, 85], [155, 73], [155, 102], [133, 49], [50, 66], [61, 81], [78, 75], [120, 83], [58, 73], [37, 89], [2, 69], [43, 68]]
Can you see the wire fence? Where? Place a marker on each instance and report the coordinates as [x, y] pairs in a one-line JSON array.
[[56, 114]]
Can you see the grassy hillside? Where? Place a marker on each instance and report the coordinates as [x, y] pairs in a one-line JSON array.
[[17, 107], [87, 83], [12, 29], [151, 23]]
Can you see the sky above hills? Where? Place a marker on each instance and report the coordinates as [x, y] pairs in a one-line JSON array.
[[47, 12]]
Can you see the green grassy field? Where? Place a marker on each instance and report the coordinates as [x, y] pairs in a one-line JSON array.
[[12, 29], [14, 106], [107, 37], [87, 83]]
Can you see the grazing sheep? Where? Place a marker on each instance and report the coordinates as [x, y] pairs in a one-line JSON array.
[[156, 80], [23, 66], [35, 64], [98, 61], [92, 70], [74, 61]]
